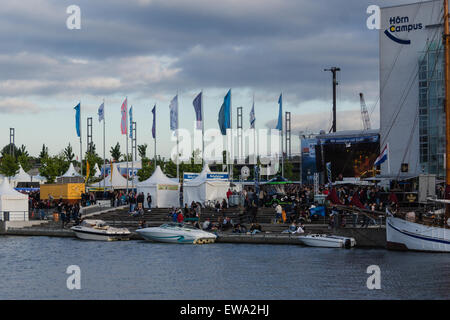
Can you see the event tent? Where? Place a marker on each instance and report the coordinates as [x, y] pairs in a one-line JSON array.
[[39, 178], [21, 176], [164, 191], [97, 171], [71, 172], [13, 204], [206, 186], [114, 181]]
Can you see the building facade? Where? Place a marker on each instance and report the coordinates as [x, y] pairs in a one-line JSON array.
[[410, 96]]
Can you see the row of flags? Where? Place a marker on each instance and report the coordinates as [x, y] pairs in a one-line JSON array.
[[224, 117]]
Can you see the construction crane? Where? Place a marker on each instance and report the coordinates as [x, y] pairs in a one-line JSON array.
[[364, 113]]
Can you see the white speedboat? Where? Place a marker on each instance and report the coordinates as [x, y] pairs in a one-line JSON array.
[[177, 233], [99, 230], [327, 241]]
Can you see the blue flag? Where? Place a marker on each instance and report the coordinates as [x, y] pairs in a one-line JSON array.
[[131, 121], [174, 113], [252, 117], [280, 114], [198, 110], [77, 119], [154, 122], [225, 114], [101, 112]]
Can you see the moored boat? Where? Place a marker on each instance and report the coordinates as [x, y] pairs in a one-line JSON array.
[[177, 233], [99, 230], [327, 241]]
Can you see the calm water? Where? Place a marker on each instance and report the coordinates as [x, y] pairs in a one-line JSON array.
[[34, 268]]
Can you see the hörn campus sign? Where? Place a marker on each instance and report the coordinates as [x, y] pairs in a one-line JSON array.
[[399, 25]]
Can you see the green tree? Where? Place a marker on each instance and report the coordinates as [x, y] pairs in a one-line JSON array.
[[53, 167], [124, 157], [25, 161], [9, 166], [142, 149], [8, 148], [115, 152], [44, 152], [68, 153], [93, 158]]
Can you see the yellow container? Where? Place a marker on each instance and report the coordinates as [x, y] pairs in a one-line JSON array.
[[65, 191]]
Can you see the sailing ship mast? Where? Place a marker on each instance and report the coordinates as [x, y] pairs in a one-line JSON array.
[[447, 106]]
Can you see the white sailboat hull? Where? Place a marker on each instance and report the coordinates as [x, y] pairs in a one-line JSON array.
[[406, 235]]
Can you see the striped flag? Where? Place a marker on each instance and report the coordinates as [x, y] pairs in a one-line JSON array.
[[123, 123], [382, 157]]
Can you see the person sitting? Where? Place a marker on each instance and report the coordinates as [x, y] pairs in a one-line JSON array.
[[142, 224], [206, 225], [255, 228], [180, 217]]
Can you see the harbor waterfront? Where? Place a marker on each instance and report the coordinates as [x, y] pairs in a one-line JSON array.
[[144, 270]]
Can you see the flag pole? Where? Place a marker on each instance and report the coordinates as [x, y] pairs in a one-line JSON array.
[[126, 136], [178, 152], [282, 129], [132, 159], [203, 128], [81, 145], [232, 146], [104, 148], [154, 121]]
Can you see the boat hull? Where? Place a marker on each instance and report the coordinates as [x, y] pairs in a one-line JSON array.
[[321, 242], [407, 235], [86, 235], [168, 236]]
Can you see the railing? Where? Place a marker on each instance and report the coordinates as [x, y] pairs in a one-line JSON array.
[[6, 215]]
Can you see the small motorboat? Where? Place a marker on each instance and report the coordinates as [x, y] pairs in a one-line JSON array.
[[177, 233], [99, 230], [327, 241]]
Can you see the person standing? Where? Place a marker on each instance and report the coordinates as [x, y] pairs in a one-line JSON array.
[[149, 201]]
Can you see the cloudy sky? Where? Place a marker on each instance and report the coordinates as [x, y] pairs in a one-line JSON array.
[[148, 50]]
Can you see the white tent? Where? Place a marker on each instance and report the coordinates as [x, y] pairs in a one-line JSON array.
[[206, 186], [164, 191], [114, 181], [71, 172], [97, 173], [13, 203], [21, 176], [39, 178]]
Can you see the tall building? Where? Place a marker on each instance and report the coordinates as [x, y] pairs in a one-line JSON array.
[[410, 97]]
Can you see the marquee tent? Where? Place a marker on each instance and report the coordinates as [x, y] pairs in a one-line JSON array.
[[71, 172], [97, 171], [13, 204], [164, 191], [114, 181], [206, 186], [21, 176]]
